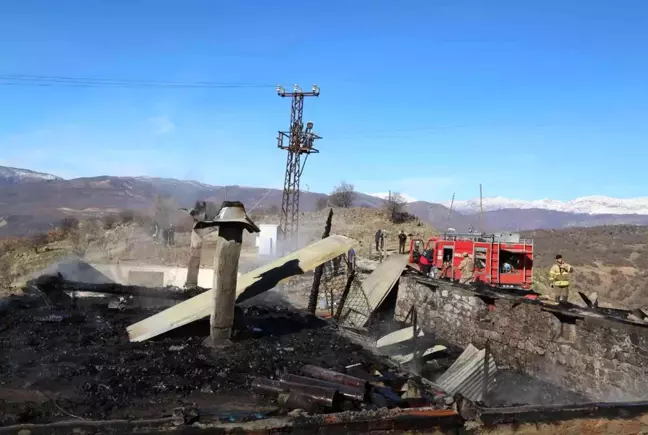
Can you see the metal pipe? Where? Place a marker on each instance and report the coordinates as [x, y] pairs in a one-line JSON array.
[[333, 376], [294, 400], [346, 390], [325, 396], [267, 386]]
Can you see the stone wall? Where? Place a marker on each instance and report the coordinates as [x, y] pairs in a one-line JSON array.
[[602, 359]]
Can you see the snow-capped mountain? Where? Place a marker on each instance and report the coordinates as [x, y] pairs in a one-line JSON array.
[[407, 198], [16, 175], [588, 205]]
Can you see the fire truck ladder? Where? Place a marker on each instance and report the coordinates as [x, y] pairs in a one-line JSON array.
[[495, 263]]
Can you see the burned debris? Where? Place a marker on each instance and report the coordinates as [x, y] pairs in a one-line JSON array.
[[135, 357]]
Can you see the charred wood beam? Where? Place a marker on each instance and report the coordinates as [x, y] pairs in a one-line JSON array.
[[319, 270], [55, 283], [345, 294], [524, 414]]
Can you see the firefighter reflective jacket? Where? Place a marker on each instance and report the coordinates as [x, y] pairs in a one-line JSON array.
[[467, 267], [559, 274]]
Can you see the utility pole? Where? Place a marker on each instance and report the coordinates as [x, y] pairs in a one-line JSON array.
[[450, 210], [481, 209], [300, 142]]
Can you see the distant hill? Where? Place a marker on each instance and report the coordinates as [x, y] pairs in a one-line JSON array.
[[10, 175], [589, 205], [32, 201]]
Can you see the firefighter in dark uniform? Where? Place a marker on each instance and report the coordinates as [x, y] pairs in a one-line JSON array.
[[402, 238]]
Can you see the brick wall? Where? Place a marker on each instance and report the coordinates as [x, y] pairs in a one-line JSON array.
[[602, 359]]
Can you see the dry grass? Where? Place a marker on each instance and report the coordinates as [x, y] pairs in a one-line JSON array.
[[611, 260]]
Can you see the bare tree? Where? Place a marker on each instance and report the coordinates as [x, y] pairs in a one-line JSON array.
[[38, 240], [321, 203], [86, 233], [343, 195], [69, 224], [395, 208], [127, 216]]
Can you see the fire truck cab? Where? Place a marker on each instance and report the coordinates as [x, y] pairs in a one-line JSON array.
[[501, 260]]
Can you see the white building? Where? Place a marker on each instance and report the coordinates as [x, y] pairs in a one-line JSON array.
[[267, 239]]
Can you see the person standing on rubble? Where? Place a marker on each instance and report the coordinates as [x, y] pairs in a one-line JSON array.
[[559, 277], [402, 237], [380, 239], [467, 268]]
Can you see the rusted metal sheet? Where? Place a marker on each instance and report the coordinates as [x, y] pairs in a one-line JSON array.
[[466, 374], [249, 285], [374, 290]]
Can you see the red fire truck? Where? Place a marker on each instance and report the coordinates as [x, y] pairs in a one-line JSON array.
[[501, 260]]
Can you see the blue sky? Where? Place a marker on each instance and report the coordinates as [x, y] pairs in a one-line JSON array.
[[533, 99]]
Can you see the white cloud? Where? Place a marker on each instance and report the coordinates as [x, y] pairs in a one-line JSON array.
[[161, 124]]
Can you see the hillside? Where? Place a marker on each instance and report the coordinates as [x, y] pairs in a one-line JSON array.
[[611, 260], [132, 243], [31, 202]]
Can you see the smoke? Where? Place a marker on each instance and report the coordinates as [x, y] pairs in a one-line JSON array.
[[73, 268]]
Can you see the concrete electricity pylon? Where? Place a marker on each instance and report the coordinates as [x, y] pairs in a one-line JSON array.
[[300, 142]]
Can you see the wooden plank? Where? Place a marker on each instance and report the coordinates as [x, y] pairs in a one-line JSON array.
[[248, 285]]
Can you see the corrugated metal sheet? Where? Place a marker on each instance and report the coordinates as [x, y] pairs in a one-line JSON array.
[[374, 290], [398, 336], [248, 285], [402, 359], [466, 375]]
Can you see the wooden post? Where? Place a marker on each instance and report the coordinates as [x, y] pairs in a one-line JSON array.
[[317, 278], [199, 213], [231, 221], [194, 260], [226, 259], [486, 363], [345, 294]]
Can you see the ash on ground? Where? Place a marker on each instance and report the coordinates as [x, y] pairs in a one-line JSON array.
[[513, 389], [79, 362]]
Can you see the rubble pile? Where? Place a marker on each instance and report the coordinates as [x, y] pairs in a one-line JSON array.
[[81, 358]]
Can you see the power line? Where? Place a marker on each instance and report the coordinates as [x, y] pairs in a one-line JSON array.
[[42, 80]]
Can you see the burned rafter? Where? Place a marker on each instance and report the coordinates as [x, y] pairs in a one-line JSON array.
[[54, 283]]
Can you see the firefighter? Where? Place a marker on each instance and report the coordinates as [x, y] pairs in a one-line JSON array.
[[426, 262], [402, 237], [467, 268], [559, 277], [380, 239]]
